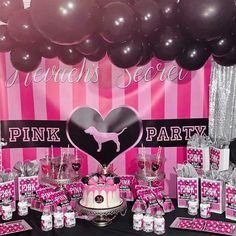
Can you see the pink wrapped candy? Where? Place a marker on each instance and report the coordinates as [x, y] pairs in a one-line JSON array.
[[14, 227]]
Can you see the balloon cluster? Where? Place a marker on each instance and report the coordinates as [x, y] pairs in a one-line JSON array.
[[130, 32]]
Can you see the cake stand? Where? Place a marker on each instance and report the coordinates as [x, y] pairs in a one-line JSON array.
[[103, 217]]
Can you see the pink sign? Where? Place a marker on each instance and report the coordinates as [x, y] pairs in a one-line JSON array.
[[157, 92]]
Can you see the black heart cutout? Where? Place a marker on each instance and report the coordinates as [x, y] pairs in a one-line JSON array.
[[118, 132], [76, 166]]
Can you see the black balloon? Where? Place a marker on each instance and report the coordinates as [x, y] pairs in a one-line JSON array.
[[48, 49], [25, 59], [233, 31], [227, 60], [193, 57], [69, 55], [90, 45], [127, 54], [169, 10], [102, 3], [8, 8], [149, 16], [146, 54], [206, 19], [6, 42], [66, 22], [21, 28], [99, 55], [119, 22], [222, 46], [167, 44]]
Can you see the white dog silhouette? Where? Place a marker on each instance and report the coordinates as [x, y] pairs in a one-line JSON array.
[[101, 138]]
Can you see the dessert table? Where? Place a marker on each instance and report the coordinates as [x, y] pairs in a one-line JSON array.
[[122, 226]]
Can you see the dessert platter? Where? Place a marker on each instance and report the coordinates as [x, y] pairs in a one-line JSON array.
[[101, 198]]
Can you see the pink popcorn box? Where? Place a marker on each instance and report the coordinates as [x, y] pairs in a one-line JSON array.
[[213, 192], [7, 190], [27, 186], [36, 204], [186, 189], [199, 158], [59, 198], [73, 204], [127, 183], [230, 202], [219, 158]]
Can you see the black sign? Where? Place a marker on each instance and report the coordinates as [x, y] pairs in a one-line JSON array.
[[42, 133]]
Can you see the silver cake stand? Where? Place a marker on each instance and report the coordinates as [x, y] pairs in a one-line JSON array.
[[103, 217]]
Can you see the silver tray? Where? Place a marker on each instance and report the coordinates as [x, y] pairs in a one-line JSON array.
[[176, 222]]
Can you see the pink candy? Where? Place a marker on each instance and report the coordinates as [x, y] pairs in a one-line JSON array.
[[110, 181], [127, 183], [206, 225], [14, 227], [101, 180], [92, 182]]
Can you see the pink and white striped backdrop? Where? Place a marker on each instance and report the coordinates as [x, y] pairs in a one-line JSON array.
[[154, 99]]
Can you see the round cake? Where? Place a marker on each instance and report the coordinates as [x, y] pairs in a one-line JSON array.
[[101, 191]]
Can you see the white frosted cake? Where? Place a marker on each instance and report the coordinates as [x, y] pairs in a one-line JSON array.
[[101, 192]]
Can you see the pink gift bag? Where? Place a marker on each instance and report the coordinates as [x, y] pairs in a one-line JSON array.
[[186, 189], [27, 186], [127, 183], [7, 190], [213, 191], [219, 158], [198, 158], [230, 202]]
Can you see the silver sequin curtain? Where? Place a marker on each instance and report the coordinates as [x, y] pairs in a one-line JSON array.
[[222, 117]]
